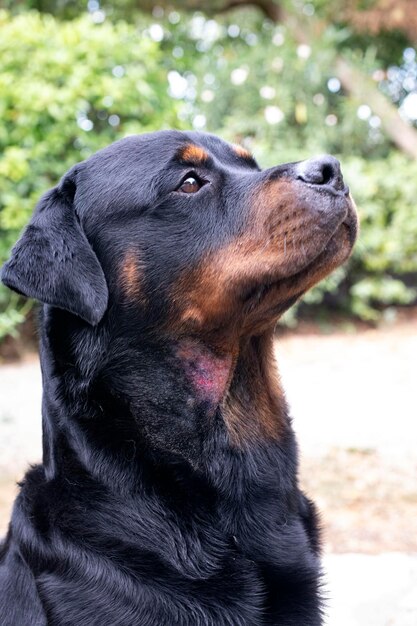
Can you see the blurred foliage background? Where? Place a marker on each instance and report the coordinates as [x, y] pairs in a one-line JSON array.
[[287, 79]]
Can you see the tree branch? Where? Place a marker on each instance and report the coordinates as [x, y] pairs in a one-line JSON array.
[[355, 82], [271, 10], [360, 86]]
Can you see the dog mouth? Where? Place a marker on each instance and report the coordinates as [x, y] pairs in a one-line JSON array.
[[335, 252]]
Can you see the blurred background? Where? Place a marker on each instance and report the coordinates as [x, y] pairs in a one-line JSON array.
[[288, 80]]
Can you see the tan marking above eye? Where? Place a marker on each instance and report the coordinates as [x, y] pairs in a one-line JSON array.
[[242, 152], [194, 154]]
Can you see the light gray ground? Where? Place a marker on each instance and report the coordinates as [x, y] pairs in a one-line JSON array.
[[353, 398]]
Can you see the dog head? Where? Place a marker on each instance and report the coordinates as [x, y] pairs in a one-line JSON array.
[[186, 233]]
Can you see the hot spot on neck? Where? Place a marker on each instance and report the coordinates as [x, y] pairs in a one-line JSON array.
[[208, 372]]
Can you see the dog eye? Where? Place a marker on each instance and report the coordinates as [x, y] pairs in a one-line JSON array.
[[191, 184]]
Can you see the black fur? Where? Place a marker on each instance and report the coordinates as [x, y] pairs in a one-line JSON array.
[[144, 512]]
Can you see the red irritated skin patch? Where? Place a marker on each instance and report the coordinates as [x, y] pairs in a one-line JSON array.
[[208, 373]]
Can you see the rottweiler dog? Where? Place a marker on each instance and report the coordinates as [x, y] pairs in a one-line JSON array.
[[168, 492]]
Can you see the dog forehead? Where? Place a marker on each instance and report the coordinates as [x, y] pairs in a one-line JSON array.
[[130, 173], [147, 151], [125, 173], [161, 144], [148, 154], [221, 149]]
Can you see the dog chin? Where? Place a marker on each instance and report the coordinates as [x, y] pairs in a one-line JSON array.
[[272, 300], [335, 252]]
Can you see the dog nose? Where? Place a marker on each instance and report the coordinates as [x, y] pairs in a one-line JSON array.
[[322, 170]]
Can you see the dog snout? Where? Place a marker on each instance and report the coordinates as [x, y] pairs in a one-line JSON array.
[[322, 170]]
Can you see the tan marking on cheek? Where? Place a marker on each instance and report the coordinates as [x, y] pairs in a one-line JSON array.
[[131, 277], [210, 292], [192, 317], [242, 152], [194, 153], [282, 237]]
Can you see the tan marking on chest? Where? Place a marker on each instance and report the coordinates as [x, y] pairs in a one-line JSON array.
[[255, 409]]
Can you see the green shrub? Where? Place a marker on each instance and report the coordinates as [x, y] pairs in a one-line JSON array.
[[66, 90], [69, 88], [384, 264]]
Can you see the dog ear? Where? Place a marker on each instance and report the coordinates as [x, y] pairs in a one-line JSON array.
[[53, 260]]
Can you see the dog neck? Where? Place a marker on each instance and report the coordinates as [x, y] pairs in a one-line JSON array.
[[175, 399], [254, 408]]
